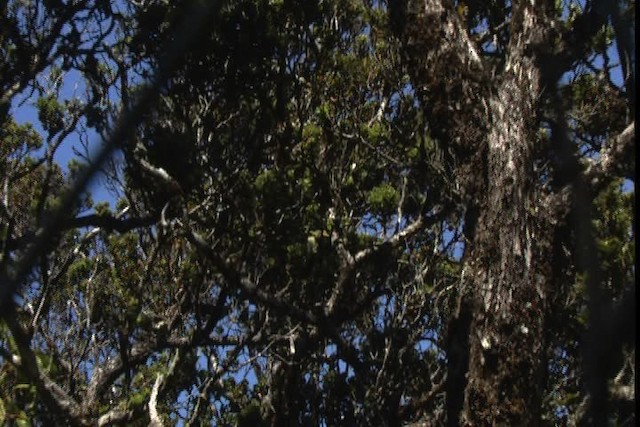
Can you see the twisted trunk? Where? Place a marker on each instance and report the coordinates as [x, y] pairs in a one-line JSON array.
[[489, 118]]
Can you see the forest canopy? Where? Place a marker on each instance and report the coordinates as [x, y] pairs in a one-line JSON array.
[[341, 212]]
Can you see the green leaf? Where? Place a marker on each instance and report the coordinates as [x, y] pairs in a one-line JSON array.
[[383, 198], [50, 113], [22, 420]]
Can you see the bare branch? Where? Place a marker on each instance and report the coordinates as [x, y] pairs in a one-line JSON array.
[[416, 405], [153, 403], [251, 291], [350, 263], [159, 386], [116, 417], [249, 288], [162, 175]]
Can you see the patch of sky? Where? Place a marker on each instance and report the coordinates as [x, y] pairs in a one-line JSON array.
[[452, 243], [71, 87], [427, 341], [75, 147]]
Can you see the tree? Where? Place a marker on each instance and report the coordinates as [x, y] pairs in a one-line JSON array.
[[346, 212], [490, 112]]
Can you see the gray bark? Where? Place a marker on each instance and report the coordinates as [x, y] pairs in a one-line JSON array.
[[487, 114]]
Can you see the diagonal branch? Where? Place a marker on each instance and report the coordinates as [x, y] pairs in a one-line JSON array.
[[572, 44], [453, 83], [350, 262], [439, 51], [11, 278], [139, 354], [159, 386], [616, 159], [249, 288], [251, 291], [56, 397]]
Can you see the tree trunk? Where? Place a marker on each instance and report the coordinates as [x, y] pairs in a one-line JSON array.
[[488, 115], [510, 270]]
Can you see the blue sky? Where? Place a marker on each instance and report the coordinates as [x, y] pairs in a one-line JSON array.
[[25, 111]]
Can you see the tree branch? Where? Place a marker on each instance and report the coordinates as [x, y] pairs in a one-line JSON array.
[[616, 159], [12, 278], [116, 417], [351, 263], [247, 286], [109, 222], [158, 387], [155, 420], [139, 354], [55, 396], [254, 294], [453, 83], [573, 45]]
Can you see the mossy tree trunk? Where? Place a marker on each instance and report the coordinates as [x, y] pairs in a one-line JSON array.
[[487, 114]]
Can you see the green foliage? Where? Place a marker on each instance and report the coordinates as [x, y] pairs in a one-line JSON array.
[[613, 223], [598, 111], [79, 270], [51, 114], [17, 137], [383, 199]]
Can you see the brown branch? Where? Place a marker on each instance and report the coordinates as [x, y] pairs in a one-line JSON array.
[[117, 417], [423, 401], [439, 51], [214, 382], [454, 84], [572, 45], [139, 354], [162, 175], [247, 286]]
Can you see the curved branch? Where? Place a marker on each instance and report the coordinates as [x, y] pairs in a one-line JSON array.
[[616, 159], [572, 44], [158, 387], [55, 396], [350, 263]]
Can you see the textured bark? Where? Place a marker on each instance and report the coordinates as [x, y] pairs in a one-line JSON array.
[[511, 272], [487, 114]]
